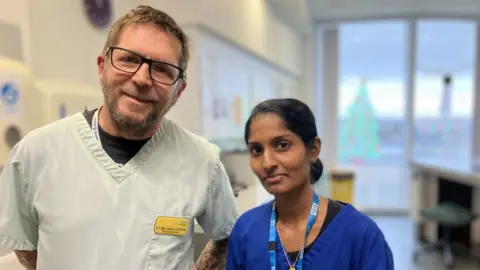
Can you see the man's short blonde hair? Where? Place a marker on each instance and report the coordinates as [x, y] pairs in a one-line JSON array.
[[146, 14]]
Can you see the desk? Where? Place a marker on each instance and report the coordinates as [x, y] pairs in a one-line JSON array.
[[429, 176]]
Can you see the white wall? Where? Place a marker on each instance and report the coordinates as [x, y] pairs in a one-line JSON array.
[[219, 69], [17, 13], [14, 11], [248, 23], [187, 111], [60, 42], [64, 43]]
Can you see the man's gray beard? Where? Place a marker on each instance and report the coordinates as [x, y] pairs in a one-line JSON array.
[[135, 128]]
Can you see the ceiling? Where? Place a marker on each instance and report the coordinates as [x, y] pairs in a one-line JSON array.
[[301, 14], [384, 47], [294, 12]]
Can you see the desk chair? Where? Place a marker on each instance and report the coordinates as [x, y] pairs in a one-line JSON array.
[[449, 216]]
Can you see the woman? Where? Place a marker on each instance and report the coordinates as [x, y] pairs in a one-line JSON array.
[[298, 230]]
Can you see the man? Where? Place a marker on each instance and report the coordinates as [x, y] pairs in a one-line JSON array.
[[120, 187]]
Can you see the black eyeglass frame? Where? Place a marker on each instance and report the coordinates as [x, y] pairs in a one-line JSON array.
[[181, 73]]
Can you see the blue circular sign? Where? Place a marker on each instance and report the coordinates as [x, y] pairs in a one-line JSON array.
[[10, 93]]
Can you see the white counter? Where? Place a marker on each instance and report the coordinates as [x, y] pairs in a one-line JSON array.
[[458, 172], [425, 189]]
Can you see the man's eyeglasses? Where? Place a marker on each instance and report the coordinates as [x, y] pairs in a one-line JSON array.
[[128, 61]]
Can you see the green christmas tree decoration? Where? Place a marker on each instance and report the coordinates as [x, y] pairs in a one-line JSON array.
[[359, 139]]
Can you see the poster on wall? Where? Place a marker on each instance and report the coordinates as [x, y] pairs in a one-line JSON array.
[[224, 99], [10, 95]]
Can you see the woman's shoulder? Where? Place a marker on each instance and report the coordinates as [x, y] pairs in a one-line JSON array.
[[253, 218], [357, 223], [366, 238], [255, 214], [359, 226]]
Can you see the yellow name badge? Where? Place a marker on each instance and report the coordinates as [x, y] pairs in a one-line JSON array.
[[171, 225]]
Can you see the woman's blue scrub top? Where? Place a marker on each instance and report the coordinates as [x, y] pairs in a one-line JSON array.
[[352, 241]]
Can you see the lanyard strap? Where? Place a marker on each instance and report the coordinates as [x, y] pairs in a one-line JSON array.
[[96, 132], [272, 238], [95, 126]]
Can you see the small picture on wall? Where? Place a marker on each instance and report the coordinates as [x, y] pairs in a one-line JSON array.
[[238, 111], [220, 109]]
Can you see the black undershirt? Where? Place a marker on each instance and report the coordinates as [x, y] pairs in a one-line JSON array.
[[119, 149], [333, 209]]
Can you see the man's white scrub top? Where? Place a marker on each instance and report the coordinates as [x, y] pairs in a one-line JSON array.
[[61, 194]]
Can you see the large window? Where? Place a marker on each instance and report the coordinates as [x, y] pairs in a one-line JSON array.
[[444, 91], [373, 129], [371, 116]]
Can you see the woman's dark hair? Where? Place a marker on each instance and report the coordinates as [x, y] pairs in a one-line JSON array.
[[298, 118]]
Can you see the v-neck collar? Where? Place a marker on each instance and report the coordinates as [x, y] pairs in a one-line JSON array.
[[117, 172], [331, 233], [322, 244]]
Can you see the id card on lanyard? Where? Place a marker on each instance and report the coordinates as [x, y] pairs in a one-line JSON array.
[[272, 238]]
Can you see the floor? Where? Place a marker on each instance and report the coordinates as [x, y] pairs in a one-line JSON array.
[[400, 234], [384, 189]]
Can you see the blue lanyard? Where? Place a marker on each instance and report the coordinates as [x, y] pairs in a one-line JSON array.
[[96, 132], [272, 238], [95, 126]]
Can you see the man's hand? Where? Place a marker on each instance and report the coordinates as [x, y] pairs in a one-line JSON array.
[[27, 258], [213, 256]]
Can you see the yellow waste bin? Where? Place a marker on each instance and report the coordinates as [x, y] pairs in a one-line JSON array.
[[342, 185]]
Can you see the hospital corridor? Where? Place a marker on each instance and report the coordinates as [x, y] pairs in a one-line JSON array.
[[164, 128]]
